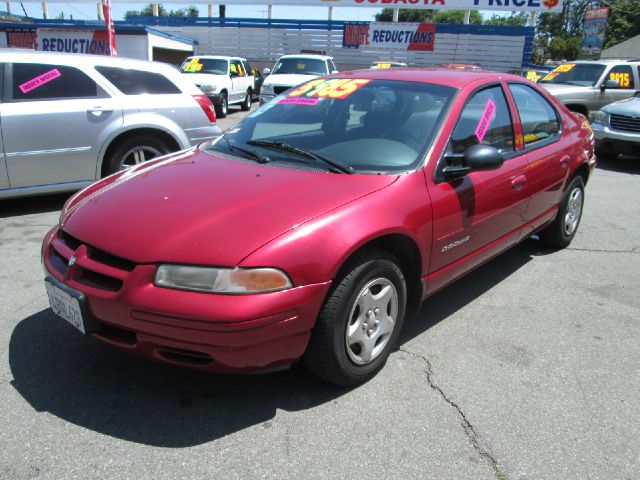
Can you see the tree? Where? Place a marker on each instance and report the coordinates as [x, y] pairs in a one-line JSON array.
[[624, 21], [514, 20], [457, 16], [147, 11], [565, 48]]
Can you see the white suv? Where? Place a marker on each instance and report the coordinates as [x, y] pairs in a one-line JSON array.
[[225, 80], [68, 120], [292, 70]]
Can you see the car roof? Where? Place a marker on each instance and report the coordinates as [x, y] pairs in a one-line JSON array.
[[605, 61], [219, 57], [440, 76], [306, 55]]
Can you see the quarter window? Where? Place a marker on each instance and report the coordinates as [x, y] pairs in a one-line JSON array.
[[539, 119], [485, 120], [623, 74], [138, 82], [50, 82]]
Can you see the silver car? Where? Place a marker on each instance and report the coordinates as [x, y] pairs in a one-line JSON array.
[[68, 120], [617, 128], [585, 86]]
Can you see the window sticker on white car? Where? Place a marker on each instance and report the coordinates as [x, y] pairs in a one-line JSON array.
[[485, 120], [339, 88], [40, 80], [194, 65]]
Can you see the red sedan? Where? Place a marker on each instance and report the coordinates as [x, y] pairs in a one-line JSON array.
[[314, 227]]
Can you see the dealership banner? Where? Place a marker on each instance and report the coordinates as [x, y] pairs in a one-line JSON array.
[[503, 5], [95, 42], [22, 38], [594, 28], [389, 36]]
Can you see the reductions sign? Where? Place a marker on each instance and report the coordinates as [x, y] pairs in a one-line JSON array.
[[390, 36], [595, 26]]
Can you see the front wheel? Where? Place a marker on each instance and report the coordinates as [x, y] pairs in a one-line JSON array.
[[360, 321], [560, 233]]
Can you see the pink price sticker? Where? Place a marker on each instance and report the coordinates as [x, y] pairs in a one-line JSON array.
[[40, 80], [298, 101], [485, 120]]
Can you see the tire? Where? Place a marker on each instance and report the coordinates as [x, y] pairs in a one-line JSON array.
[[246, 103], [222, 108], [345, 348], [134, 150], [560, 233]]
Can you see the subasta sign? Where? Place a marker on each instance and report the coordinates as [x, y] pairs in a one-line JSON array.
[[508, 5]]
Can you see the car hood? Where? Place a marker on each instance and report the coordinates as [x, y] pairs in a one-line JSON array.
[[199, 208], [563, 91], [629, 107], [287, 80], [206, 78]]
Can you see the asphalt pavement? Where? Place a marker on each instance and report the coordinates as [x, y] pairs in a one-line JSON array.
[[528, 368]]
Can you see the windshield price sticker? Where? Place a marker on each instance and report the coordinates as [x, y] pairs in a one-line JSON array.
[[623, 79], [339, 88], [564, 68], [551, 76], [193, 66], [299, 101], [384, 65], [533, 76], [485, 120]]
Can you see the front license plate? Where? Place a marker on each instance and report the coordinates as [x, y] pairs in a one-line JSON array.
[[67, 303]]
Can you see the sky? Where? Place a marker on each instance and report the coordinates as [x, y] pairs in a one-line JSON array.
[[88, 11]]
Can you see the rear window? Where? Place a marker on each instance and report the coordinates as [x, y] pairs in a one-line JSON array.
[[138, 82], [31, 81]]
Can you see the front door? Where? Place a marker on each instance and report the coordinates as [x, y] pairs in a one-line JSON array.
[[53, 120], [479, 214]]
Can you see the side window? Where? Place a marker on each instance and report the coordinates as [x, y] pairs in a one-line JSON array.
[[31, 81], [137, 82], [539, 119], [484, 120], [623, 74], [236, 68]]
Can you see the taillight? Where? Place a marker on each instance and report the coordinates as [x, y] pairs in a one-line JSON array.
[[207, 107]]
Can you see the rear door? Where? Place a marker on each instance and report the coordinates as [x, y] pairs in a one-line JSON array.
[[54, 121], [4, 178], [478, 215]]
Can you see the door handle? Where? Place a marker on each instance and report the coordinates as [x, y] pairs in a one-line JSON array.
[[97, 111], [518, 182], [564, 161]]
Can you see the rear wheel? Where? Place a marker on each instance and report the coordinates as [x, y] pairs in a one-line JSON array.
[[223, 106], [560, 233], [360, 321], [133, 151], [246, 104]]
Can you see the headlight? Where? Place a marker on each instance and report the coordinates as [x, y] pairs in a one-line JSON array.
[[221, 280], [600, 117], [268, 89], [208, 89]]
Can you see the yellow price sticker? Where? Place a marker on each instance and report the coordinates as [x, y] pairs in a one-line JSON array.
[[194, 65], [339, 88], [384, 65], [533, 76], [551, 76], [623, 79], [564, 68]]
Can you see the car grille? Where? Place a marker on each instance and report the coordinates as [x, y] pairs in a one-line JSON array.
[[279, 90], [93, 267], [625, 123]]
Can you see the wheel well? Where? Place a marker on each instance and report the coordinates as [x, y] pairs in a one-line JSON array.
[[406, 251], [583, 171], [578, 109], [171, 142]]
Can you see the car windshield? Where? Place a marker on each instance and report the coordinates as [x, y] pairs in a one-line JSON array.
[[301, 66], [581, 74], [367, 126], [215, 66]]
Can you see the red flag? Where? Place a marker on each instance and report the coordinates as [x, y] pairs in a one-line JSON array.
[[111, 31]]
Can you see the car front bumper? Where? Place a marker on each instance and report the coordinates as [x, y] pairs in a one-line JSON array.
[[217, 333], [615, 141]]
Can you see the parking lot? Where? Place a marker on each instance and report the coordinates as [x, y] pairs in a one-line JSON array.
[[528, 368]]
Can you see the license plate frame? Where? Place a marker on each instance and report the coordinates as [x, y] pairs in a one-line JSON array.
[[71, 305]]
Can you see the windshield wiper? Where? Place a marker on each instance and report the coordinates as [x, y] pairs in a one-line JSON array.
[[252, 153], [336, 166]]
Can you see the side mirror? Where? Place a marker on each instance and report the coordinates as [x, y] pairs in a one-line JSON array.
[[610, 84], [266, 71], [474, 158]]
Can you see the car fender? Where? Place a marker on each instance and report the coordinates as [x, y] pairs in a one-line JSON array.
[[314, 251]]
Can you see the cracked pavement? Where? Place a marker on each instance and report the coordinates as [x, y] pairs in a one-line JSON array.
[[528, 368]]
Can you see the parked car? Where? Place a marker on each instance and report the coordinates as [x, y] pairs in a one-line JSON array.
[[387, 64], [322, 220], [617, 128], [535, 74], [585, 86], [292, 70], [68, 120], [461, 66], [225, 80]]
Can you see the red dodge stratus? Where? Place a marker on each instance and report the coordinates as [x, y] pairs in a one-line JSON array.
[[312, 228]]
